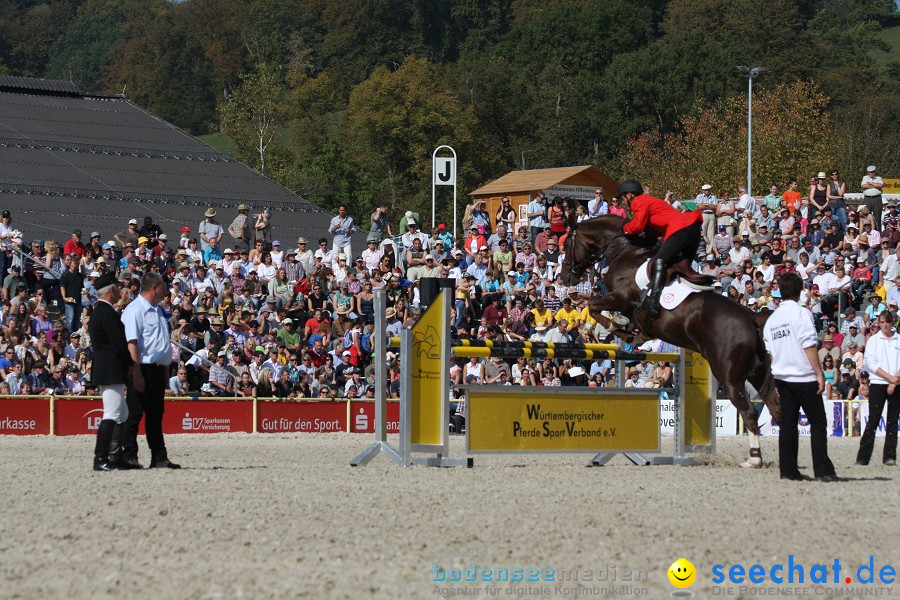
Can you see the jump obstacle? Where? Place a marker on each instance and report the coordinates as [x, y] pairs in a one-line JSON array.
[[515, 419]]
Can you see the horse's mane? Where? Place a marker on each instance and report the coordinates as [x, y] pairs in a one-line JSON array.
[[606, 234]]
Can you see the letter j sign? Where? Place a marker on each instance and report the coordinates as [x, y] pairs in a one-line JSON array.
[[444, 170]]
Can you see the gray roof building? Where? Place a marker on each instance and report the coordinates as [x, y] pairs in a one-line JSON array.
[[93, 161]]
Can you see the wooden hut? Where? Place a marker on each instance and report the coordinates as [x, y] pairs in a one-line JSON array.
[[521, 186]]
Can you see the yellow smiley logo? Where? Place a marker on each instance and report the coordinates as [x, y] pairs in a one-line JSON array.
[[682, 573]]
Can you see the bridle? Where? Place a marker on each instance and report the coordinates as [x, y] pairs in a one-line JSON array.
[[577, 267]]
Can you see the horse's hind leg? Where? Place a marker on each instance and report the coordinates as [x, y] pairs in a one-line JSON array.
[[762, 380], [737, 393]]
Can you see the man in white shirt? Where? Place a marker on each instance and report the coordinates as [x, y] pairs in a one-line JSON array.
[[738, 253], [883, 365], [706, 202], [412, 233], [890, 271], [871, 185], [791, 341], [745, 204]]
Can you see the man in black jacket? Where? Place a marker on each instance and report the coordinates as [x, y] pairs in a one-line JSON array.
[[110, 367]]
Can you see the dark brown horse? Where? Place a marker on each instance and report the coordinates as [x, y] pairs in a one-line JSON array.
[[728, 335]]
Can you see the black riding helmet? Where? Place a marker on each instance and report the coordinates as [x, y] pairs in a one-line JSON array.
[[631, 185]]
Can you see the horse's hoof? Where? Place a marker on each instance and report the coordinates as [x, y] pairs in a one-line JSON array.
[[620, 321], [754, 462]]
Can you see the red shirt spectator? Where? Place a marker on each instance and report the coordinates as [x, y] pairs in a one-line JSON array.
[[74, 245]]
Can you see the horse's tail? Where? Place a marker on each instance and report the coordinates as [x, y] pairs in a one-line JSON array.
[[767, 392], [759, 321]]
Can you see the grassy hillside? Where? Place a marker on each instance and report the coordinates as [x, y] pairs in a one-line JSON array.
[[891, 35], [225, 145], [220, 142]]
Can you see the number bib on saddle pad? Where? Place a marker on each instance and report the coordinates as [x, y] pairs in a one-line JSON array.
[[673, 293]]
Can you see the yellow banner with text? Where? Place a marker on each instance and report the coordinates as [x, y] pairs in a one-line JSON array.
[[505, 419]]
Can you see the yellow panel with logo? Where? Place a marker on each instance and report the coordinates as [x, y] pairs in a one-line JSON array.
[[697, 423], [429, 368], [517, 420]]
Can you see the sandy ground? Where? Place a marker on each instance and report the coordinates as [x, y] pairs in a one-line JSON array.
[[285, 516]]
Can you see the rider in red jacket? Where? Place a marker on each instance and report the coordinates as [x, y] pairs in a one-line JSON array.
[[680, 233]]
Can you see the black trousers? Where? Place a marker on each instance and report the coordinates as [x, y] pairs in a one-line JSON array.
[[149, 403], [877, 397], [795, 396], [682, 244]]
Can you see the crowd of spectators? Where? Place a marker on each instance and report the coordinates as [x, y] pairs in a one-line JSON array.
[[252, 316]]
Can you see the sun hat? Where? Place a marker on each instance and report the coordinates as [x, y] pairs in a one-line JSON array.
[[210, 212]]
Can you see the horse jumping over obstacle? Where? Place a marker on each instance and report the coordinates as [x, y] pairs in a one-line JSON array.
[[726, 334]]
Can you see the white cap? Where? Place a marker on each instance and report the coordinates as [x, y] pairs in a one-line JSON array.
[[286, 321], [346, 353], [870, 168], [717, 284], [710, 257], [227, 251], [706, 186], [132, 222], [751, 301]]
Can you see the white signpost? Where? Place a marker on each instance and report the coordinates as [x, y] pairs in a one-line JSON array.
[[443, 172]]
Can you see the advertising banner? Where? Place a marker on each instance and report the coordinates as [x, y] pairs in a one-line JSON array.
[[204, 416], [362, 417], [25, 416], [78, 416], [834, 414], [303, 417], [540, 421], [726, 417], [864, 419]]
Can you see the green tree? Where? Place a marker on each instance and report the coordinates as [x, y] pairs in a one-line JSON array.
[[84, 51], [251, 113], [393, 123], [791, 137], [163, 68]]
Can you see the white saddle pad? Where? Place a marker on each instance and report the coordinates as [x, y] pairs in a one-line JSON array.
[[673, 294]]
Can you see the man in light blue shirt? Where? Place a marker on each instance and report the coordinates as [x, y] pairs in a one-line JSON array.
[[147, 333], [537, 214], [342, 227], [597, 206], [477, 269]]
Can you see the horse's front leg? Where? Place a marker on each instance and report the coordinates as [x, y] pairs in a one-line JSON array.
[[611, 304]]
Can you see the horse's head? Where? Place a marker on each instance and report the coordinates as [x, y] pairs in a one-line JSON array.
[[601, 235]]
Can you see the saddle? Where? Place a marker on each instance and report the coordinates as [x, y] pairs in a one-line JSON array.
[[683, 268]]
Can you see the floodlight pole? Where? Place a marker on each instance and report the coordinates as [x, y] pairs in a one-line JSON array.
[[750, 74]]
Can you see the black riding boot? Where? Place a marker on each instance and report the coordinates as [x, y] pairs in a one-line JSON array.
[[101, 450], [650, 300], [115, 445]]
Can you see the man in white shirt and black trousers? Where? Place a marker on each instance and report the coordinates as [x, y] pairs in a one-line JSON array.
[[883, 364], [147, 332], [791, 341]]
